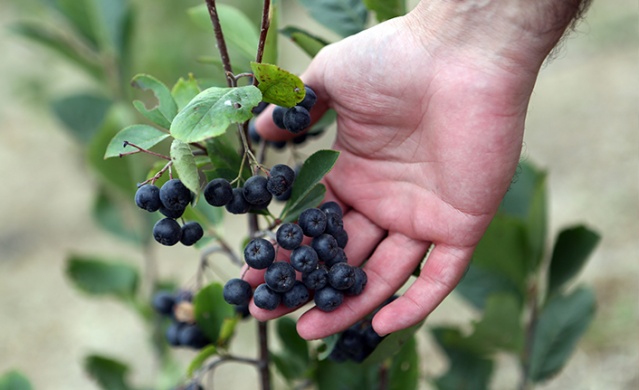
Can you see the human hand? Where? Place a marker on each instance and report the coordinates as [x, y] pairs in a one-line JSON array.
[[430, 132]]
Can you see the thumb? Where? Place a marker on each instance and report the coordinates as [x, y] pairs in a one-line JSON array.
[[312, 78]]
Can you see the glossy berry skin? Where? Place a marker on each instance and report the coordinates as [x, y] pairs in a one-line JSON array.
[[316, 279], [277, 185], [309, 98], [167, 232], [147, 198], [284, 170], [175, 214], [259, 253], [278, 116], [192, 336], [265, 298], [360, 282], [304, 259], [312, 221], [237, 292], [163, 302], [280, 276], [331, 207], [289, 236], [174, 195], [341, 276], [218, 192], [326, 246], [191, 233], [328, 299], [296, 119], [340, 257], [334, 224], [255, 191], [341, 237], [297, 296], [238, 205]]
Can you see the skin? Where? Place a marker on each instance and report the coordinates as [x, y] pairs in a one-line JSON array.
[[431, 111]]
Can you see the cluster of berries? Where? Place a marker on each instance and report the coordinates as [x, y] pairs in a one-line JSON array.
[[297, 118], [171, 201], [359, 341], [322, 264], [183, 331], [256, 193]]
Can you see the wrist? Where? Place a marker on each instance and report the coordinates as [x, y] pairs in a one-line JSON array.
[[519, 33]]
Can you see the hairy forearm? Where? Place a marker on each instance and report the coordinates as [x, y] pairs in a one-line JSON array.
[[524, 31]]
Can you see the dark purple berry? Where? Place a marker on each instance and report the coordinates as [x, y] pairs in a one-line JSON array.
[[341, 276], [237, 292], [326, 246], [259, 253], [312, 221], [192, 336], [265, 298], [238, 205], [331, 207], [340, 257], [191, 233], [253, 134], [360, 282], [174, 195], [328, 299], [304, 259], [284, 170], [289, 236], [309, 98], [147, 198], [172, 333], [278, 116], [280, 276], [334, 224], [297, 296], [255, 191], [218, 192], [163, 302], [296, 119], [257, 110], [167, 232], [341, 237], [316, 279], [175, 214]]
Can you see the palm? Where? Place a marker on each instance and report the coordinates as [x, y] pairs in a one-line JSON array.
[[428, 146]]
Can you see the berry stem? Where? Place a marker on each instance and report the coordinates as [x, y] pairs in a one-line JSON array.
[[219, 37]]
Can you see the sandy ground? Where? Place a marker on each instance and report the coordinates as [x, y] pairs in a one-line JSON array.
[[583, 127]]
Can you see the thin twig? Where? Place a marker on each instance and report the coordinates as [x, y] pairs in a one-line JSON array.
[[531, 327], [141, 149], [266, 23], [219, 37]]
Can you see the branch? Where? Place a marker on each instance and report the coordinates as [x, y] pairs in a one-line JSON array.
[[266, 23], [219, 37]]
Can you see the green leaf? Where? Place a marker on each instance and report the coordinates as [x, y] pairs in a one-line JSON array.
[[144, 136], [184, 91], [404, 371], [345, 376], [312, 199], [101, 277], [270, 55], [329, 343], [277, 85], [309, 43], [211, 310], [109, 374], [211, 112], [391, 344], [165, 111], [83, 114], [239, 31], [294, 360], [562, 322], [572, 249], [81, 15], [58, 43], [500, 326], [200, 358], [466, 370], [116, 219], [478, 285], [345, 17], [14, 380], [111, 23], [386, 9], [313, 170], [184, 164]]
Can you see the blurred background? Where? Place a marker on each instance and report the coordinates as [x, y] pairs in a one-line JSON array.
[[583, 128]]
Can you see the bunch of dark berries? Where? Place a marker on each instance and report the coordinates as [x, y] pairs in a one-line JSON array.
[[183, 331], [322, 265], [359, 341], [171, 201], [256, 193]]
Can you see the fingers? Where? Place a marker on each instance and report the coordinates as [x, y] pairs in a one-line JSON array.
[[388, 269], [442, 271]]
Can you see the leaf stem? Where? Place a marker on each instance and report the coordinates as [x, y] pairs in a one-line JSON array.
[[219, 37], [531, 327], [141, 149]]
